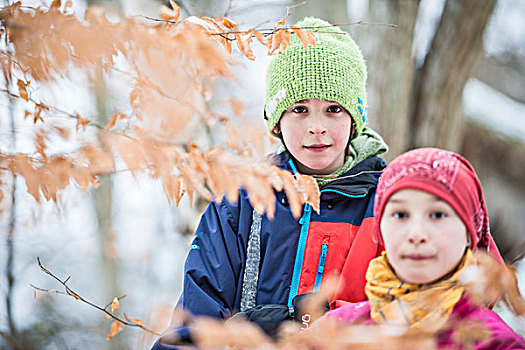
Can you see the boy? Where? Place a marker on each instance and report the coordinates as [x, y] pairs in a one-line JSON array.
[[240, 261]]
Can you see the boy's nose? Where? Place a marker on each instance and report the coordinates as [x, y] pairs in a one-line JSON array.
[[316, 126]]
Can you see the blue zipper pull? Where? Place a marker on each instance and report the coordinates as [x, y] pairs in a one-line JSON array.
[[324, 250], [320, 267], [306, 211]]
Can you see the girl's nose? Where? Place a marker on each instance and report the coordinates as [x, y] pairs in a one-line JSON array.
[[417, 234], [417, 240]]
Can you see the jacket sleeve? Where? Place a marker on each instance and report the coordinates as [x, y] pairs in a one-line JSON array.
[[213, 265], [211, 272]]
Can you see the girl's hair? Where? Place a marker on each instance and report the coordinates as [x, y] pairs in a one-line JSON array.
[[449, 177]]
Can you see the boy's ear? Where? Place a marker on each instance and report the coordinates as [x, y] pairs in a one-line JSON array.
[[277, 129], [352, 131]]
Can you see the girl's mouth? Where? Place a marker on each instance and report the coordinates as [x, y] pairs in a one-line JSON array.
[[418, 257]]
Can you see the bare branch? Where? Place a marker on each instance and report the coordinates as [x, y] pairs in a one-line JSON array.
[[77, 296]]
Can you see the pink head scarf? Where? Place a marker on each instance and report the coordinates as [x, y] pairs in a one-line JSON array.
[[446, 175]]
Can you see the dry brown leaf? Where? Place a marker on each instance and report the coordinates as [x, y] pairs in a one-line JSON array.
[[279, 41], [176, 10], [55, 5], [82, 176], [489, 280], [36, 115], [48, 186], [238, 334], [285, 41], [100, 160], [310, 190], [236, 106], [113, 120], [471, 333], [22, 90], [229, 23], [138, 321], [280, 23], [81, 122], [73, 295], [41, 144], [173, 188], [310, 37], [302, 36], [218, 30], [115, 304], [260, 37], [134, 96], [166, 14], [59, 168], [274, 41], [63, 132], [116, 327], [243, 43], [130, 150], [21, 165]]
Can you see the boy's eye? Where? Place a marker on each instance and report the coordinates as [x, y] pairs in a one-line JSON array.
[[299, 109], [334, 109], [438, 215]]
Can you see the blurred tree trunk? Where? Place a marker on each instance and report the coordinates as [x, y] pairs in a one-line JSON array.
[[498, 161], [12, 337], [103, 197], [451, 60], [390, 87], [505, 74], [334, 11]]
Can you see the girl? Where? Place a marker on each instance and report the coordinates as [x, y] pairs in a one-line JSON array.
[[239, 261], [431, 215]]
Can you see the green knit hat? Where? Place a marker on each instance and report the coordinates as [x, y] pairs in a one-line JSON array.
[[333, 70]]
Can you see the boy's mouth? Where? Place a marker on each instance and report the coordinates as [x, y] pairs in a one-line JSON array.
[[317, 147]]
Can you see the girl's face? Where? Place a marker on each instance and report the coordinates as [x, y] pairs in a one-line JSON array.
[[316, 132], [424, 238]]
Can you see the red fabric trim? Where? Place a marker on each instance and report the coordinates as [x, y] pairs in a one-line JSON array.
[[350, 249]]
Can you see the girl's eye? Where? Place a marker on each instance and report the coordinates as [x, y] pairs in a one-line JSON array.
[[299, 109], [438, 215], [334, 109], [399, 215]]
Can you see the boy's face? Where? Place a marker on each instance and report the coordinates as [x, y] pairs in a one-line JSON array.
[[424, 238], [316, 132]]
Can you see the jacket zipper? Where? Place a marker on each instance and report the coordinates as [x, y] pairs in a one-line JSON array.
[[320, 266], [301, 245]]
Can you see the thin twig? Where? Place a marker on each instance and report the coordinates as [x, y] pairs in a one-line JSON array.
[[230, 6], [288, 8], [273, 30], [77, 296], [56, 109]]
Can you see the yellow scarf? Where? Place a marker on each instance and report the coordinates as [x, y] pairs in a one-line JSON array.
[[424, 306]]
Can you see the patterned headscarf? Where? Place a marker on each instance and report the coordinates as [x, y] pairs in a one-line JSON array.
[[446, 175]]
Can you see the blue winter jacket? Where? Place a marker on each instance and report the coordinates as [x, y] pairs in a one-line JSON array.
[[296, 255]]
